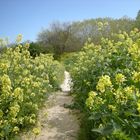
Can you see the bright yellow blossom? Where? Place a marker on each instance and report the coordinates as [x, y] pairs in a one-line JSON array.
[[120, 78], [19, 38], [103, 82], [136, 77]]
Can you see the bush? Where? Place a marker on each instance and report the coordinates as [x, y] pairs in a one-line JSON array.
[[36, 49], [106, 85], [24, 84]]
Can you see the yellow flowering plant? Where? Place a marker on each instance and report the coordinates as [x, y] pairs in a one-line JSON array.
[[112, 71], [24, 85]]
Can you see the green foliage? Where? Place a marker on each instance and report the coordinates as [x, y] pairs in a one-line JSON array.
[[24, 84], [58, 39], [106, 85], [70, 37], [36, 49], [68, 59]]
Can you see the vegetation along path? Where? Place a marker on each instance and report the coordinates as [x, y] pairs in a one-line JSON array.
[[55, 121]]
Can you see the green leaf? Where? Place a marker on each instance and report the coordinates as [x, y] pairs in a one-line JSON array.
[[104, 130], [98, 130], [108, 130], [136, 124]]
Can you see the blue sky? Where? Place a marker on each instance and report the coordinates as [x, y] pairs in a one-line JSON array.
[[28, 17]]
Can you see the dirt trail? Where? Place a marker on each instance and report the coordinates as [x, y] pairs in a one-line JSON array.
[[55, 121]]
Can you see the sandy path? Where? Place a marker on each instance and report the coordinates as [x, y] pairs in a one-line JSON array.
[[55, 121]]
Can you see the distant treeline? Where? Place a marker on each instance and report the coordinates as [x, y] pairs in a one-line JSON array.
[[71, 36]]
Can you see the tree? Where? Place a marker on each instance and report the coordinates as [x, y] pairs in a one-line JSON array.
[[35, 49], [137, 22], [57, 39]]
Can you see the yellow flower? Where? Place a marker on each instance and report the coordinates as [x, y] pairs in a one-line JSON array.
[[33, 94], [41, 67], [14, 120], [128, 91], [19, 38], [121, 36], [92, 94], [4, 67], [101, 87], [27, 45], [112, 108], [36, 131], [120, 78], [136, 77], [134, 51], [90, 99], [103, 82], [136, 30], [14, 110], [16, 129], [18, 93], [5, 80], [17, 50], [32, 121]]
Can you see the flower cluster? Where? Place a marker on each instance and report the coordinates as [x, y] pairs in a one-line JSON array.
[[136, 77], [120, 78], [103, 82]]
